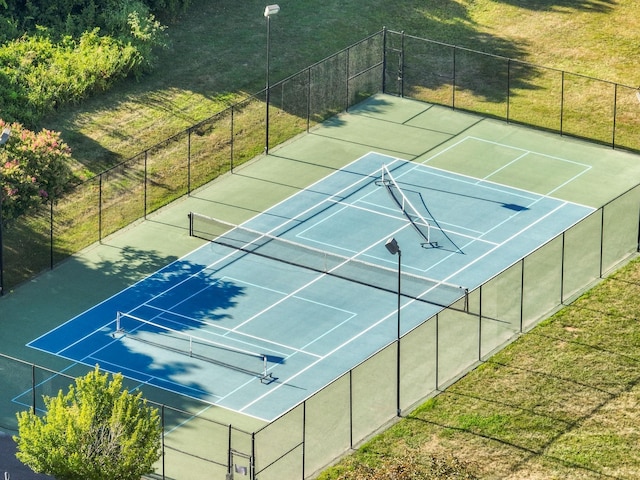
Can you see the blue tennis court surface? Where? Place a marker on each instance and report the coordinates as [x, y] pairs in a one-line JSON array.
[[210, 325]]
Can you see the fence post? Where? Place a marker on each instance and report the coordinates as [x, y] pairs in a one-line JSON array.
[[453, 86], [401, 72], [231, 140], [562, 267], [479, 334], [638, 247], [304, 436], [1, 247], [350, 411], [189, 161], [33, 388], [347, 102], [437, 320], [252, 462], [100, 208], [229, 455], [145, 182], [508, 88], [308, 99], [522, 295], [561, 102], [384, 59], [615, 115], [51, 233], [601, 241], [162, 438]]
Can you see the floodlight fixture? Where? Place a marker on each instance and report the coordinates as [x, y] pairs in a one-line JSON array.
[[271, 10], [392, 246]]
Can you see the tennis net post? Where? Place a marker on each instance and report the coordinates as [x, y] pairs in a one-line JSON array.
[[412, 214]]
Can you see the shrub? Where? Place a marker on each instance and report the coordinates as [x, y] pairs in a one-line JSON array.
[[64, 61], [95, 431], [34, 169], [38, 75]]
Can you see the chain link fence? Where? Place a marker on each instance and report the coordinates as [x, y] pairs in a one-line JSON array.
[[352, 408]]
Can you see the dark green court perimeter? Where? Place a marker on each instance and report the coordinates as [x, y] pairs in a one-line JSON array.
[[400, 128]]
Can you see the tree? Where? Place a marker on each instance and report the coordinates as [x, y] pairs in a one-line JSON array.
[[34, 169], [96, 431]]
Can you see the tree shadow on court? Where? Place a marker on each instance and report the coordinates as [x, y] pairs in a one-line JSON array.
[[165, 276], [188, 301]]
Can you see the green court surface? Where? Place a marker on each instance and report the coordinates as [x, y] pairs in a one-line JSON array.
[[477, 148]]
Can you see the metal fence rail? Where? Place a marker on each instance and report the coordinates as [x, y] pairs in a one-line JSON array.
[[433, 355], [391, 62], [512, 90]]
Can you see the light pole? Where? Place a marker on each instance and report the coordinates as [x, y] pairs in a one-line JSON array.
[[393, 248], [268, 11], [4, 138]]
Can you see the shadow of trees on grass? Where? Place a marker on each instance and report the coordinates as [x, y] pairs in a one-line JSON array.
[[596, 6]]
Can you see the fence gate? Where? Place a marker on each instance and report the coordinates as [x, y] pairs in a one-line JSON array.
[[240, 465]]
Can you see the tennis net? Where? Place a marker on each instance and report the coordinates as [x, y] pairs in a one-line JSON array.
[[167, 338], [417, 220], [249, 241]]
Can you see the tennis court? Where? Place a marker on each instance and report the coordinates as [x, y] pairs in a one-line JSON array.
[[272, 311]]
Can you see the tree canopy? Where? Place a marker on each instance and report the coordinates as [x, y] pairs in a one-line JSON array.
[[34, 169], [95, 431]]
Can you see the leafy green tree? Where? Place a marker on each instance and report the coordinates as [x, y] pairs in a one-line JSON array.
[[96, 431], [34, 169]]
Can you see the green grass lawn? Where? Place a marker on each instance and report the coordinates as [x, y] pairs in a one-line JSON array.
[[217, 55], [561, 402]]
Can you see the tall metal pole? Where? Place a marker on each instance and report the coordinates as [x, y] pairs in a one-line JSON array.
[[266, 115], [4, 138], [268, 11], [393, 248], [398, 409]]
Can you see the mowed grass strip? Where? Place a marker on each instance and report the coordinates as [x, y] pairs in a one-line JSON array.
[[562, 401], [216, 56]]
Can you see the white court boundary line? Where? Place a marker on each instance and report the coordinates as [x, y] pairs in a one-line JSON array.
[[330, 198], [525, 152], [365, 178]]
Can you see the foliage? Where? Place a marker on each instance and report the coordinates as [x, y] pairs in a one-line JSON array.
[[72, 17], [37, 75], [58, 64], [131, 22], [95, 431], [34, 168], [168, 8]]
